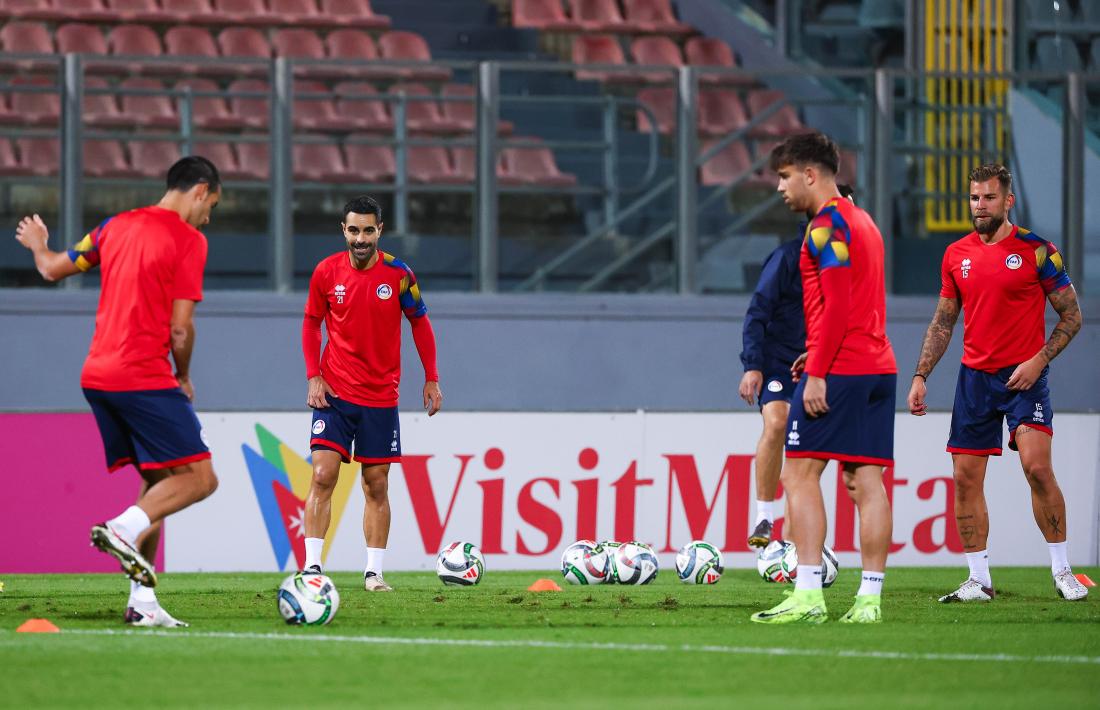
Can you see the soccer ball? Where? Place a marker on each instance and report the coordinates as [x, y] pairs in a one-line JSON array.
[[611, 547], [308, 599], [635, 563], [585, 562], [699, 562], [777, 562], [460, 564], [830, 566]]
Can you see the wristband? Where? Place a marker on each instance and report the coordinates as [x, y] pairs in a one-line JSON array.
[[923, 377]]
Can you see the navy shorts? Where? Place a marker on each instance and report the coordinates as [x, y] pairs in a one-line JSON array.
[[858, 428], [375, 431], [982, 402], [778, 387], [150, 429]]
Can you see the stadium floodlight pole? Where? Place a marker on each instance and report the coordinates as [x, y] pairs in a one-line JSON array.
[[687, 237], [488, 105], [281, 193], [72, 169], [882, 197], [1073, 178]]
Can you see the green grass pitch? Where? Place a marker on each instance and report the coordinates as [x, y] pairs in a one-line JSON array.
[[662, 645]]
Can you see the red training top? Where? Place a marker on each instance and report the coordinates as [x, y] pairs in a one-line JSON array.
[[844, 294], [362, 313], [148, 258], [1002, 288]]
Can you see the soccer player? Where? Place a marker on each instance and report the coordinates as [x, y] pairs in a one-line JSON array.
[[999, 275], [843, 406], [151, 264], [774, 335], [360, 294]]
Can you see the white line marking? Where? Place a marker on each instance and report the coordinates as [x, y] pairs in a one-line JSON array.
[[575, 646]]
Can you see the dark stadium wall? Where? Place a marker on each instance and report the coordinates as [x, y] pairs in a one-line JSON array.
[[538, 353]]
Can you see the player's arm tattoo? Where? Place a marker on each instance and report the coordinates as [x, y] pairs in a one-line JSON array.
[[938, 335], [1069, 322]]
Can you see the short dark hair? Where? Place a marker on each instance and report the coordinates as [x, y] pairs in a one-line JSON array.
[[363, 205], [990, 171], [805, 149], [193, 170]]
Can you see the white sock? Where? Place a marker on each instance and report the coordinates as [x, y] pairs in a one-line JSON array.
[[809, 577], [765, 510], [979, 567], [142, 597], [375, 557], [132, 522], [1059, 556], [314, 545], [871, 582]]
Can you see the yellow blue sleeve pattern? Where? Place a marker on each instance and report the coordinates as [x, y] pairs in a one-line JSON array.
[[85, 254], [828, 237], [412, 304], [1048, 261]]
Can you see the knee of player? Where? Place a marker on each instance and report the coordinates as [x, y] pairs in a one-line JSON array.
[[376, 489], [1040, 475], [774, 432], [325, 476]]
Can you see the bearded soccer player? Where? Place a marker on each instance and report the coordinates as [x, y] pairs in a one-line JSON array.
[[151, 264], [999, 275], [360, 295], [843, 406]]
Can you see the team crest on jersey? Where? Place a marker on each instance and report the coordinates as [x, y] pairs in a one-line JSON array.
[[318, 426], [965, 267], [384, 291], [1014, 261], [341, 291]]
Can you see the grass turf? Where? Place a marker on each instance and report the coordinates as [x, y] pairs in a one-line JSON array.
[[670, 644]]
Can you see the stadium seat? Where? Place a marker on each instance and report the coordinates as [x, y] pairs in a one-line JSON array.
[[600, 49], [208, 111], [541, 15], [411, 47], [298, 43], [9, 161], [26, 38], [151, 159], [80, 38], [318, 162], [354, 12], [1057, 54], [421, 115], [136, 10], [245, 13], [431, 164], [191, 11], [224, 159], [249, 111], [244, 42], [84, 11], [187, 41], [710, 52], [149, 110], [366, 114], [45, 10], [597, 15], [661, 101], [40, 156], [36, 108], [783, 122], [721, 112], [101, 108], [534, 165], [105, 158], [254, 160], [8, 116], [357, 46], [465, 161], [657, 51], [138, 41], [299, 13], [653, 16], [369, 163], [319, 112], [463, 114], [730, 163]]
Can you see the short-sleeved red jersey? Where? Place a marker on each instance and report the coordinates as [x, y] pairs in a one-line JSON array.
[[843, 236], [1002, 288], [362, 313], [148, 258]]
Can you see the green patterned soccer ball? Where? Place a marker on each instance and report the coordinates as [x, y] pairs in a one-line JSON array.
[[308, 599], [699, 562], [585, 562], [460, 564]]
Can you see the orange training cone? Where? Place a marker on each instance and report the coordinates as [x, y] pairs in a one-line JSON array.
[[544, 585], [1085, 580], [38, 626]]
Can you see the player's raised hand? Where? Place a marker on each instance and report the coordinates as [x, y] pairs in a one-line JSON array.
[[798, 367], [32, 233], [318, 389], [917, 392], [813, 396], [433, 397], [751, 383], [1026, 374]]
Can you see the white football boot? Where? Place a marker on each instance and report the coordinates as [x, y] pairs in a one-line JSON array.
[[969, 591], [156, 617], [373, 582], [136, 567], [1069, 587]]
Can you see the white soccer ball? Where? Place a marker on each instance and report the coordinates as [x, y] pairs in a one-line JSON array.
[[778, 562], [635, 563], [699, 562], [585, 562], [308, 599], [611, 547], [460, 564], [830, 566]]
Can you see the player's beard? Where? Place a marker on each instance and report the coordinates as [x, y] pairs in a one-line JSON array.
[[989, 227], [368, 251]]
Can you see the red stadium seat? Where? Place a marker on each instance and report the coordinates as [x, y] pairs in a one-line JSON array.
[[26, 38], [136, 10], [353, 105], [244, 12], [198, 11], [465, 162], [208, 111], [244, 42], [541, 15], [431, 165], [463, 114], [299, 13], [101, 109], [186, 41], [710, 52], [662, 102], [317, 112], [653, 16], [421, 115], [40, 156], [250, 111], [298, 44], [151, 159], [600, 49], [254, 160], [224, 159], [318, 162], [149, 110], [730, 163], [369, 163], [37, 109], [783, 122], [134, 40], [7, 115], [354, 12], [597, 15], [657, 51], [85, 11], [9, 161], [534, 166], [357, 46], [80, 38], [32, 10], [411, 47], [105, 158], [721, 112]]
